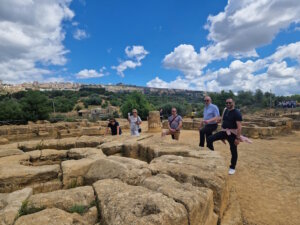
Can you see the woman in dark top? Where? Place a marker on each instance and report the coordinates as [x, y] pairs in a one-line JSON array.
[[114, 127]]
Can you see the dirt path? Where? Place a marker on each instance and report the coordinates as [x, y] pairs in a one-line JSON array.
[[267, 178]]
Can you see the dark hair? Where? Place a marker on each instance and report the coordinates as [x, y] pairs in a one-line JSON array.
[[231, 99], [112, 119]]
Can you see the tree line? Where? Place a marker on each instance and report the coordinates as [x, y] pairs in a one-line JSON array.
[[36, 105]]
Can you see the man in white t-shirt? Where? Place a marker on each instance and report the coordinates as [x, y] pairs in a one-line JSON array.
[[134, 122]]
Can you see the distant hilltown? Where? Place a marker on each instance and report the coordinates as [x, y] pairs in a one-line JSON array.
[[120, 87]]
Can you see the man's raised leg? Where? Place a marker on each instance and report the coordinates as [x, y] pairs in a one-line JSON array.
[[217, 136]]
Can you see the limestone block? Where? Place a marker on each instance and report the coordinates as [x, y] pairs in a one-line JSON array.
[[154, 124], [52, 216], [209, 170], [125, 204], [10, 205], [63, 199], [198, 201]]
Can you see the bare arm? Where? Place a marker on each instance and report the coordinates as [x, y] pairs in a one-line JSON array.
[[106, 132], [169, 126], [118, 130], [179, 126]]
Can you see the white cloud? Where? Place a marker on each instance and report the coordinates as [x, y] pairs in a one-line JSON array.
[[291, 51], [136, 52], [80, 34], [86, 74], [31, 34], [75, 23], [179, 83], [186, 59], [135, 55], [247, 24], [271, 72], [242, 27]]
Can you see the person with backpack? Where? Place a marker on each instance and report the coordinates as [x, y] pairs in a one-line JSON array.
[[174, 125], [114, 127]]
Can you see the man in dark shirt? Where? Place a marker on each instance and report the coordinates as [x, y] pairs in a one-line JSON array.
[[231, 131], [114, 127]]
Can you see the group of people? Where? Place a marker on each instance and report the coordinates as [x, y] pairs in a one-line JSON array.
[[134, 122], [231, 127]]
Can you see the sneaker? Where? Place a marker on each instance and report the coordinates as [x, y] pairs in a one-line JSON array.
[[231, 171]]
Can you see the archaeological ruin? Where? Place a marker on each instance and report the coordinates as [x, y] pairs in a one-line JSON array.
[[70, 173]]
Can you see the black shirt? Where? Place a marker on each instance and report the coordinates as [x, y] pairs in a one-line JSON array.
[[230, 118], [114, 128]]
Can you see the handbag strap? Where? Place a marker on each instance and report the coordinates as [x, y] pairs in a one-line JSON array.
[[172, 120]]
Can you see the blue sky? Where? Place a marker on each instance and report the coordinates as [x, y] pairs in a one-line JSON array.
[[202, 45], [159, 26]]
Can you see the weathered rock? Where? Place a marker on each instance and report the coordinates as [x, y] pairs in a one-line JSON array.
[[52, 216], [79, 153], [197, 201], [74, 170], [111, 148], [63, 199], [53, 155], [3, 141], [30, 145], [124, 204], [128, 170], [15, 176], [10, 205], [90, 131], [91, 216], [206, 171], [9, 152], [34, 155], [88, 141], [66, 143]]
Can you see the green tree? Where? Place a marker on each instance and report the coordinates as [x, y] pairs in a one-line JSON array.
[[10, 109], [245, 98], [136, 100], [167, 109], [259, 97], [36, 106]]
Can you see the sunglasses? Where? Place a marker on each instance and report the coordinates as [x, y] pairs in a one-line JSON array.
[[206, 100], [134, 112], [228, 103]]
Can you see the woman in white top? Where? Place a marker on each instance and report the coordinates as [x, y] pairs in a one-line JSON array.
[[135, 122]]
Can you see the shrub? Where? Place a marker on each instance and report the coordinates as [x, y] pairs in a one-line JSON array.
[[25, 209], [80, 209]]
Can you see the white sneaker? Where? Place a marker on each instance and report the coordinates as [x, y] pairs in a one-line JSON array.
[[231, 171]]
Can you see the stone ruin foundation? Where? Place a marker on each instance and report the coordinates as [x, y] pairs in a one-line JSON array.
[[114, 180]]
